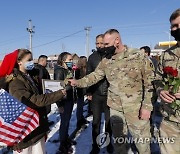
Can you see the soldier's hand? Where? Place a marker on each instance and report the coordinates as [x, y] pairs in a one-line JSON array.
[[177, 95], [73, 82], [144, 114], [166, 96]]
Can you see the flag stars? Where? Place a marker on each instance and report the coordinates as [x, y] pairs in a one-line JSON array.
[[10, 108]]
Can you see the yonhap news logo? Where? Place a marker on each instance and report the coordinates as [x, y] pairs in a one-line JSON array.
[[103, 140]]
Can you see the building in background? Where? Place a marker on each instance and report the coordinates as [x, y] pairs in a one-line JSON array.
[[165, 45]]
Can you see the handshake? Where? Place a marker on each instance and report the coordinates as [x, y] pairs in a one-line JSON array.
[[69, 83]]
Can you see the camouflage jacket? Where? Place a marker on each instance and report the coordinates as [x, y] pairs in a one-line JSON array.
[[170, 57], [129, 74]]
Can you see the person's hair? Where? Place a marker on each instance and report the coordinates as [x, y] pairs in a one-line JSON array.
[[83, 57], [82, 62], [146, 49], [42, 56], [111, 31], [174, 15], [100, 35], [22, 53], [82, 65], [62, 57]]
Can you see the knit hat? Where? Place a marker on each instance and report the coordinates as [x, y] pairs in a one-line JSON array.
[[8, 63]]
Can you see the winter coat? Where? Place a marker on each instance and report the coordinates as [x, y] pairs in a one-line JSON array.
[[60, 73], [43, 73], [26, 91], [101, 87]]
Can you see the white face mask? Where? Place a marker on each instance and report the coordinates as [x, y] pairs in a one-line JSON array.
[[29, 65]]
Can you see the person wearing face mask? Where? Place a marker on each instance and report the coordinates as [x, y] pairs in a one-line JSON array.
[[175, 27], [99, 96], [24, 85], [63, 70], [170, 125], [130, 90]]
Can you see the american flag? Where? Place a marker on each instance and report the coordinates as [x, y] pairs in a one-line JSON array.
[[16, 120]]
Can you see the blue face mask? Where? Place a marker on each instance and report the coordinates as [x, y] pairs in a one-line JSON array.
[[69, 64], [29, 65]]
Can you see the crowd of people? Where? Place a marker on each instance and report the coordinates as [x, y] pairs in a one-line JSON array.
[[125, 84]]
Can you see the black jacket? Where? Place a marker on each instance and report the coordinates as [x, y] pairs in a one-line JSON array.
[[61, 73], [101, 88], [43, 73]]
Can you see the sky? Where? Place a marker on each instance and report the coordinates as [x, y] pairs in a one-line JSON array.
[[59, 24]]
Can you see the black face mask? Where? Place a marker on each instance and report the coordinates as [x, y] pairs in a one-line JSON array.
[[176, 34], [109, 51], [101, 51]]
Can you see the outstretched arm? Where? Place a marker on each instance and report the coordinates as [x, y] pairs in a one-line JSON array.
[[92, 78]]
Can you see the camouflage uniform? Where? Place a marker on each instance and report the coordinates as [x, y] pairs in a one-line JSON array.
[[170, 125], [129, 74]]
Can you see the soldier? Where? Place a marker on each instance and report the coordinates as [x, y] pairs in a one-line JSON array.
[[170, 125], [129, 94]]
